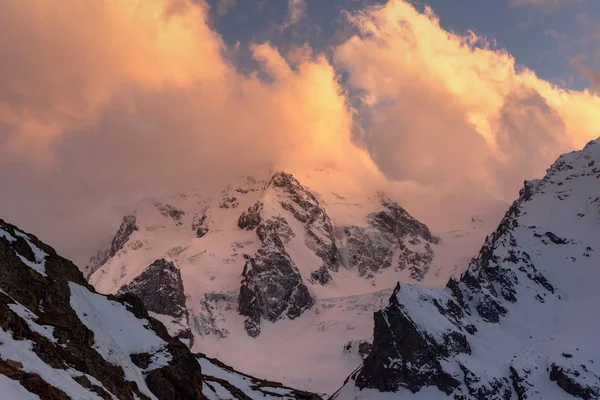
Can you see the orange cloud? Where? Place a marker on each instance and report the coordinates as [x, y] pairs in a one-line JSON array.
[[136, 98], [444, 107], [63, 62]]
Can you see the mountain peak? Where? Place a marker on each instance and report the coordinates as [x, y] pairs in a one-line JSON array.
[[517, 322], [272, 250]]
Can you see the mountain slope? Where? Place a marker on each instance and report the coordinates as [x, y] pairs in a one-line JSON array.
[[520, 322], [262, 259], [59, 339]]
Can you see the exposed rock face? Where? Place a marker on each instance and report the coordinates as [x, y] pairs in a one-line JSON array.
[[170, 212], [251, 218], [305, 207], [264, 249], [272, 286], [371, 249], [200, 224], [128, 226], [275, 226], [60, 340], [575, 382], [36, 317], [397, 222], [367, 250], [516, 324], [210, 320], [161, 290], [249, 386], [360, 347]]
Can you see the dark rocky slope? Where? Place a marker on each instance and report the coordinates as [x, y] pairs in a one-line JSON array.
[[520, 323], [61, 340]]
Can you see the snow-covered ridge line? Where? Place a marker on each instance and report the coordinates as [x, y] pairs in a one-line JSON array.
[[223, 382], [61, 340], [261, 256], [518, 323]]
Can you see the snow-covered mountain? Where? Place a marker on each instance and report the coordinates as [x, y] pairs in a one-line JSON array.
[[521, 322], [278, 268], [61, 340]]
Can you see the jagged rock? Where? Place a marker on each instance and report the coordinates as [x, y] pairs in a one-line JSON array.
[[53, 322], [44, 290], [229, 202], [160, 288], [128, 226], [305, 207], [250, 218], [142, 360], [200, 224], [490, 334], [275, 226], [397, 222], [371, 249], [402, 355], [210, 319], [272, 286], [280, 207], [170, 212], [321, 276], [570, 381], [367, 250], [257, 388], [360, 347]]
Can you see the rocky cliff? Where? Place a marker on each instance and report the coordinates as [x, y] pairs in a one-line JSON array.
[[519, 323], [59, 339]]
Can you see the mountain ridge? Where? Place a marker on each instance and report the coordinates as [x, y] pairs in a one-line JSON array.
[[517, 322], [268, 253], [59, 339]]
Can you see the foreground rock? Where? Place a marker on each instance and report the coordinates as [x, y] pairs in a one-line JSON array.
[[59, 339], [272, 255], [160, 288], [520, 323]]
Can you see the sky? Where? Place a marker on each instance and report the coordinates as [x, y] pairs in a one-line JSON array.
[[448, 105]]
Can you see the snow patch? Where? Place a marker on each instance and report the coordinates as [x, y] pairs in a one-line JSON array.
[[29, 317], [117, 333], [10, 389]]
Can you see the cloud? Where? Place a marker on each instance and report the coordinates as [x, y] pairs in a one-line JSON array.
[[224, 6], [296, 10], [61, 67], [591, 74], [296, 13], [108, 101], [438, 107]]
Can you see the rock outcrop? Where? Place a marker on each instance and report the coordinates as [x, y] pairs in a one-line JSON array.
[[160, 288], [390, 231], [128, 226], [60, 340], [517, 324], [306, 208], [272, 286], [55, 333]]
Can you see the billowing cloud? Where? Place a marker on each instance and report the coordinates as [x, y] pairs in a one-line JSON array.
[[440, 107], [61, 64], [105, 102], [117, 100]]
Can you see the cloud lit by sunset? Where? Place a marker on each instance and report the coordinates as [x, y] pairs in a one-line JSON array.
[[104, 101]]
